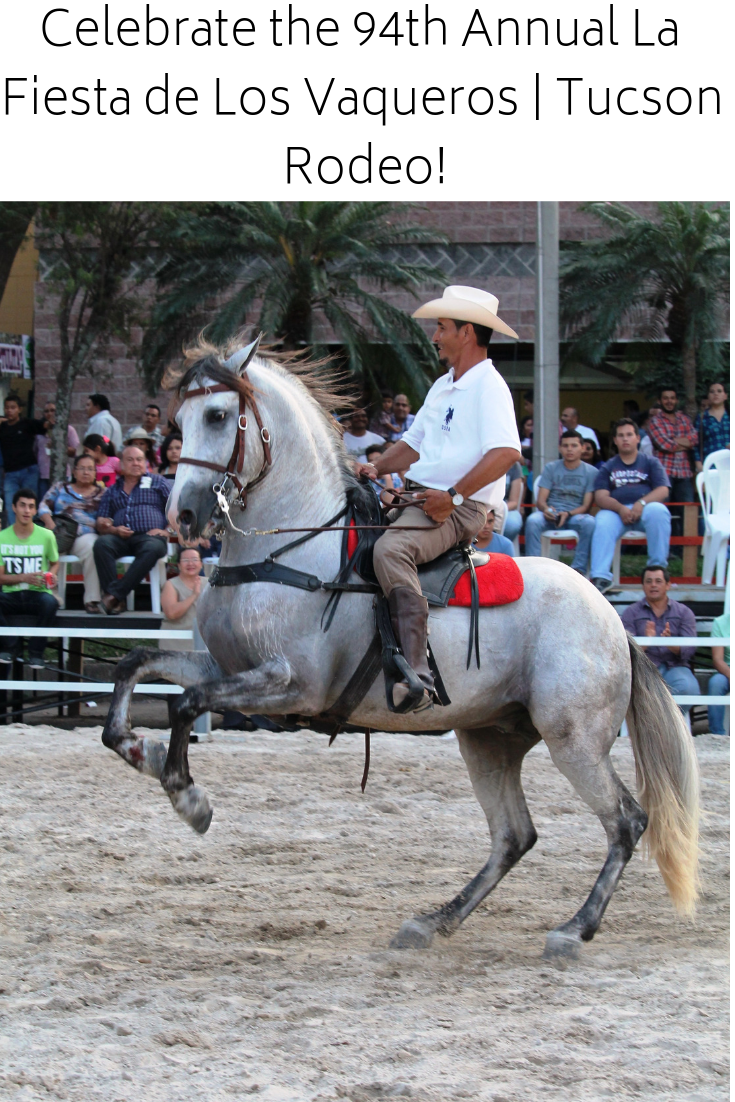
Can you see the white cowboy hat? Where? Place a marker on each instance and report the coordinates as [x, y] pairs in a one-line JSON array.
[[466, 304]]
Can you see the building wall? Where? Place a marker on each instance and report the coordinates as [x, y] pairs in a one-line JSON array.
[[492, 245]]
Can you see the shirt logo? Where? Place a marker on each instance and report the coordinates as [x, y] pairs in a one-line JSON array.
[[446, 427]]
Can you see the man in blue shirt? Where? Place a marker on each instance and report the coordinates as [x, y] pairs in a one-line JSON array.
[[564, 500], [630, 490], [658, 615], [131, 521]]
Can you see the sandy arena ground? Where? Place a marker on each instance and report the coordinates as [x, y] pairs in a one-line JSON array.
[[140, 962]]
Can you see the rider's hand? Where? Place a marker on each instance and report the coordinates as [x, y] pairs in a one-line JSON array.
[[368, 470], [437, 504]]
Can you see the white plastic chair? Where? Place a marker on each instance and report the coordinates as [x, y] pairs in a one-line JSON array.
[[551, 539], [713, 488], [156, 578], [720, 460]]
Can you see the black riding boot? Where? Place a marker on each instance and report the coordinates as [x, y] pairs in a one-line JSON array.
[[409, 616]]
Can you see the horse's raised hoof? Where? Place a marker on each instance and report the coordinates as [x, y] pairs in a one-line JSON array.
[[193, 806], [147, 755], [561, 945], [412, 935]]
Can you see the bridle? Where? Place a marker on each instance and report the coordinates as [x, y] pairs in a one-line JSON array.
[[233, 470]]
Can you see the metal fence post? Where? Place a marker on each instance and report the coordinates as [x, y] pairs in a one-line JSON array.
[[203, 723]]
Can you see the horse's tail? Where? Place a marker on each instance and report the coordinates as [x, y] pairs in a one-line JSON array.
[[668, 779]]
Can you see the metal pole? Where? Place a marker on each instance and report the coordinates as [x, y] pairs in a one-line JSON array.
[[546, 358], [203, 723]]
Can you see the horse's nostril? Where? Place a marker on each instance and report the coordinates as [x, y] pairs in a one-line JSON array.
[[186, 516]]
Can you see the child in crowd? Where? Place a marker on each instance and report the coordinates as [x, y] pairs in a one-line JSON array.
[[102, 450]]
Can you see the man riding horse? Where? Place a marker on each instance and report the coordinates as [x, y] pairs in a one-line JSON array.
[[457, 451]]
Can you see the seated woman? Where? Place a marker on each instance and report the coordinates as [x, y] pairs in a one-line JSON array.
[[143, 440], [170, 455], [102, 450], [180, 595], [590, 453], [79, 501]]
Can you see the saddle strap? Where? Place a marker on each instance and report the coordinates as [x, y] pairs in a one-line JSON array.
[[263, 572], [359, 684], [474, 613]]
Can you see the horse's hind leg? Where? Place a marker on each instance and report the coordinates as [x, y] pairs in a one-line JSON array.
[[494, 756], [579, 758]]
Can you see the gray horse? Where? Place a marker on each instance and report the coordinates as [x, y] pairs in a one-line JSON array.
[[556, 665]]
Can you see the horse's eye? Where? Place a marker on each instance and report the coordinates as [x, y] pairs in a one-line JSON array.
[[214, 416]]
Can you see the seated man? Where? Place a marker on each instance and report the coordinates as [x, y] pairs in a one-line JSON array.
[[515, 485], [657, 615], [461, 443], [131, 521], [564, 500], [630, 490], [30, 563], [719, 682]]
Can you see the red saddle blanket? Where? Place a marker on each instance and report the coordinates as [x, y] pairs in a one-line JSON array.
[[499, 582]]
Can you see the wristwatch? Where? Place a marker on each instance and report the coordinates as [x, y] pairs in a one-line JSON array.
[[455, 495], [641, 501]]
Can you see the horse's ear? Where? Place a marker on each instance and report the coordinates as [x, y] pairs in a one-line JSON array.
[[239, 360]]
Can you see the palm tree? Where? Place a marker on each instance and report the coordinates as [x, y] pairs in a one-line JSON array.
[[298, 263], [663, 277]]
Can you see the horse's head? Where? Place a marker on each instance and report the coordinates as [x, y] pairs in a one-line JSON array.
[[224, 440]]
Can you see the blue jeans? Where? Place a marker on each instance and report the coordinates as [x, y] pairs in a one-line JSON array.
[[584, 524], [27, 602], [681, 681], [655, 521], [24, 479], [513, 524], [718, 685]]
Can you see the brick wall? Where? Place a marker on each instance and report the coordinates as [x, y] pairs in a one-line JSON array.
[[506, 270]]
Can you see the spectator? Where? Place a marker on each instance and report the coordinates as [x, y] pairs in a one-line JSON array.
[[712, 426], [630, 408], [180, 595], [152, 424], [570, 420], [78, 502], [564, 500], [357, 438], [673, 436], [657, 615], [514, 487], [170, 455], [382, 423], [590, 454], [526, 432], [719, 682], [101, 422], [17, 436], [630, 490], [42, 448], [528, 404], [402, 416], [641, 419], [102, 451], [139, 438], [487, 539], [387, 481], [131, 521], [30, 563]]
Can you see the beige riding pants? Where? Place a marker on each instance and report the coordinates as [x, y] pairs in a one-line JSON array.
[[398, 552]]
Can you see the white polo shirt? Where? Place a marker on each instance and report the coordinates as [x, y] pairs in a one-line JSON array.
[[458, 423]]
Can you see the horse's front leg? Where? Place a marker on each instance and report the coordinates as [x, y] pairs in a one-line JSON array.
[[269, 688], [181, 668]]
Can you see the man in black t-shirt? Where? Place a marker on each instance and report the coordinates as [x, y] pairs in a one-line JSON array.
[[630, 490], [17, 435]]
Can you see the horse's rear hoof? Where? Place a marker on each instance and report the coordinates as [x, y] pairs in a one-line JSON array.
[[412, 935], [559, 944], [193, 806]]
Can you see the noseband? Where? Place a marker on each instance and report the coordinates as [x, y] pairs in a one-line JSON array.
[[237, 459]]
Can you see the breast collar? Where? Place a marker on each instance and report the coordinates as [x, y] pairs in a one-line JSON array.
[[234, 468]]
